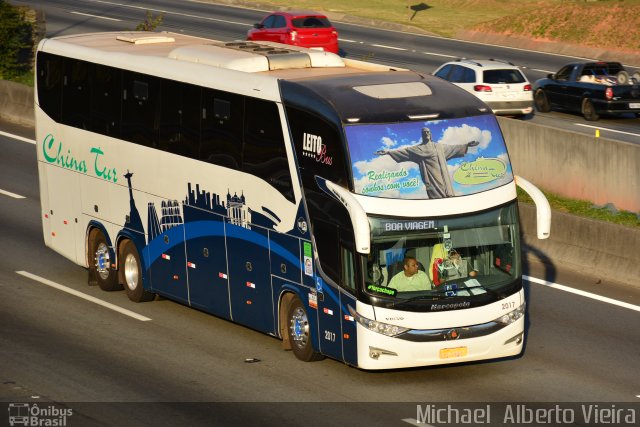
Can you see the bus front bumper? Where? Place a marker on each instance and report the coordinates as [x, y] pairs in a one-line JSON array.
[[377, 351]]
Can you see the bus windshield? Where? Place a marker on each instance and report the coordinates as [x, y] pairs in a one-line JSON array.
[[435, 258]]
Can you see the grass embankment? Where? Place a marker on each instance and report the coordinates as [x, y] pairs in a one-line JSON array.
[[586, 209], [603, 23]]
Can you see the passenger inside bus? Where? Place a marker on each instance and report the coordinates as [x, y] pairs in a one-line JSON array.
[[411, 277], [446, 265]]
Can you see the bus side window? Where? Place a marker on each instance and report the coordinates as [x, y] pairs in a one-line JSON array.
[[179, 130], [264, 154], [140, 100], [348, 269], [326, 237], [76, 94], [221, 137], [105, 101], [50, 75], [319, 147]]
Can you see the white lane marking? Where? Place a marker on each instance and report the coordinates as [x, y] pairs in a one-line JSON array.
[[440, 54], [18, 137], [388, 47], [95, 16], [543, 71], [84, 296], [582, 293], [606, 129], [348, 41], [166, 12], [10, 194]]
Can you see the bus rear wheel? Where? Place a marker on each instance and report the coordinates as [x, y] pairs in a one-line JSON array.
[[131, 273], [299, 332], [101, 269]]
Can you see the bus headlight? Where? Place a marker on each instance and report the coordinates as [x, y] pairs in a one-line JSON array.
[[379, 327], [512, 316]]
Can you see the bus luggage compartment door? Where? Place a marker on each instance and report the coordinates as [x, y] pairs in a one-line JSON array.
[[249, 277], [207, 264]]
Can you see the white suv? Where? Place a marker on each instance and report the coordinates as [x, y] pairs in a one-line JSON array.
[[501, 85]]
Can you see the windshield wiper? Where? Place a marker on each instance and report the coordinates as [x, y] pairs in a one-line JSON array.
[[432, 297]]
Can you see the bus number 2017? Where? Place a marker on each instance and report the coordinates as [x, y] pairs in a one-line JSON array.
[[330, 336], [508, 305]]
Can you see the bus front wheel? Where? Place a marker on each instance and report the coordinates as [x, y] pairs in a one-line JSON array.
[[131, 273], [299, 332], [101, 269]]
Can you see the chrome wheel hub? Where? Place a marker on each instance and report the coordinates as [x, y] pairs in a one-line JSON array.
[[102, 261], [131, 272], [299, 327]]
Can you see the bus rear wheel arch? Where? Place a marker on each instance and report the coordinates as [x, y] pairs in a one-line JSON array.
[[299, 331], [130, 273], [101, 270]]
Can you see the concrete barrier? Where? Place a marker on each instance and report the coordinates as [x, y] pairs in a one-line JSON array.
[[16, 103], [566, 163], [575, 165], [600, 249]]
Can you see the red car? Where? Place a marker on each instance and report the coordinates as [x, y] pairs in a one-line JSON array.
[[305, 29]]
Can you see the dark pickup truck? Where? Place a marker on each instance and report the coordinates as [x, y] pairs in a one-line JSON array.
[[591, 88]]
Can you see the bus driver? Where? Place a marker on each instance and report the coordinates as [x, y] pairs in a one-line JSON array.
[[410, 278]]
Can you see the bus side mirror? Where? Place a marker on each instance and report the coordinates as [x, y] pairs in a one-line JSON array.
[[543, 210], [359, 219]]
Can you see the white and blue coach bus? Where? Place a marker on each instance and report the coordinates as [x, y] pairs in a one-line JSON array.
[[283, 189]]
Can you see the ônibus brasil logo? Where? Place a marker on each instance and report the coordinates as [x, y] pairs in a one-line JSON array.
[[32, 414]]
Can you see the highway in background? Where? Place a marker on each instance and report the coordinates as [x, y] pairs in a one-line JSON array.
[[418, 52], [63, 342]]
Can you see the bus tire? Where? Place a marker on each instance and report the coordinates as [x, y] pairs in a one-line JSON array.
[[541, 101], [101, 269], [131, 273], [589, 111], [299, 332]]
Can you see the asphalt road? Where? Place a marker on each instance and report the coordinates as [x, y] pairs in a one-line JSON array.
[[422, 53], [161, 363], [146, 364]]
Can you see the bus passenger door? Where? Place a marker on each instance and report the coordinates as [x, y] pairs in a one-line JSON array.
[[349, 338], [249, 276], [336, 324], [329, 323]]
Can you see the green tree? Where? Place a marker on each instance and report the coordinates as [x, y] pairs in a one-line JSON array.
[[151, 22], [16, 45]]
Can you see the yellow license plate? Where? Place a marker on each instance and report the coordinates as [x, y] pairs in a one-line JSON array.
[[449, 353]]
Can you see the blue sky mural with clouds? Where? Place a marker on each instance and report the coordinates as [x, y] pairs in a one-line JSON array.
[[471, 168]]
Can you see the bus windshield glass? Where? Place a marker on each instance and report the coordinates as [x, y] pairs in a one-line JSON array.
[[428, 160], [435, 258]]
